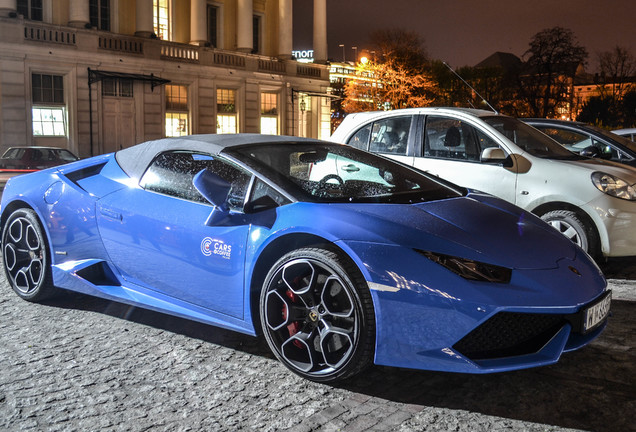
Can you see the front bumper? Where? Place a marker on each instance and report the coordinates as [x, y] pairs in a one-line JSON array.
[[426, 315], [616, 221]]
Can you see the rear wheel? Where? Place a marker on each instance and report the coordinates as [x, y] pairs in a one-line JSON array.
[[573, 227], [317, 315], [26, 256]]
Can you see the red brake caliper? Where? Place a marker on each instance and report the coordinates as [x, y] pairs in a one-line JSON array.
[[294, 326]]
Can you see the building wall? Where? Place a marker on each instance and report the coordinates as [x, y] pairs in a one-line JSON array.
[[28, 47]]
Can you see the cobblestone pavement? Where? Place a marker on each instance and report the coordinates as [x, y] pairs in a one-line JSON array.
[[83, 364]]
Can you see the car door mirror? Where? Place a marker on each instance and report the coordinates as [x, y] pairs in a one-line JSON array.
[[493, 154], [590, 151], [213, 188]]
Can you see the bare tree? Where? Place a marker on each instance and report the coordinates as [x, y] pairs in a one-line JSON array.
[[378, 86], [400, 48], [397, 77], [551, 65], [618, 67]]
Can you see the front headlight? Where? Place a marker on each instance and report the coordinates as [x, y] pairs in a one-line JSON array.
[[469, 269], [613, 186]]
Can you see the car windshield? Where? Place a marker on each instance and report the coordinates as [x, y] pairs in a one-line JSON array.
[[529, 139], [614, 137], [322, 172], [61, 154]]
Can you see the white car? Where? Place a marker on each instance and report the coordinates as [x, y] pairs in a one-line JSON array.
[[629, 133], [591, 201]]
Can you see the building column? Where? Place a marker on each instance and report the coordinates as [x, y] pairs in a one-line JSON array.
[[285, 29], [78, 15], [143, 18], [198, 23], [320, 31], [244, 27], [8, 7]]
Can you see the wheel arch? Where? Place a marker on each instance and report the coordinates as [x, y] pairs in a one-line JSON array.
[[586, 218], [21, 204], [272, 252], [10, 208]]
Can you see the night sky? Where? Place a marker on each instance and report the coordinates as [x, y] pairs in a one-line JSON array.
[[465, 32]]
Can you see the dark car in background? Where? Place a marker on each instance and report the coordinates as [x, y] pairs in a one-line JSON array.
[[587, 140], [34, 158], [23, 159]]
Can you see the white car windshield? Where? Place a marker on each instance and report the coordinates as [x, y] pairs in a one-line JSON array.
[[529, 139]]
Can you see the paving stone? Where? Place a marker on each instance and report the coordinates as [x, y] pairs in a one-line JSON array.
[[77, 363]]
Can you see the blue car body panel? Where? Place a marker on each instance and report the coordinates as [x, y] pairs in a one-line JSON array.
[[111, 238]]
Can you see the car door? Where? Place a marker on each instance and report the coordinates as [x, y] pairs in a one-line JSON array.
[[452, 148], [390, 136], [156, 233]]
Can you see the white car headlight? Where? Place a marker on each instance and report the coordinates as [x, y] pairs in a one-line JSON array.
[[614, 186]]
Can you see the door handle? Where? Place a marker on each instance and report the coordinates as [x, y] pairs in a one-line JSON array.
[[110, 214], [350, 168]]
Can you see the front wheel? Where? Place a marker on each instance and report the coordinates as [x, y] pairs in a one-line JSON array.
[[317, 315], [573, 227], [26, 256]]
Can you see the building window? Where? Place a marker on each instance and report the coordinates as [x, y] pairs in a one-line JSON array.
[[213, 25], [30, 9], [99, 11], [117, 87], [269, 113], [176, 110], [161, 19], [226, 114], [256, 34], [48, 110]]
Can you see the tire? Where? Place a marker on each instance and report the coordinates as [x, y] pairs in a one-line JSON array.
[[26, 257], [317, 315], [572, 226]]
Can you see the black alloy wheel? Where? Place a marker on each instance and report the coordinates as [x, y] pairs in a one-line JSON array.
[[317, 315], [26, 256]]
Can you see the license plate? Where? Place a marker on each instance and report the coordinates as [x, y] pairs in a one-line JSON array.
[[596, 314]]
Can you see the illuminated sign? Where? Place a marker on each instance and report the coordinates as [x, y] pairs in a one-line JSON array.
[[303, 56]]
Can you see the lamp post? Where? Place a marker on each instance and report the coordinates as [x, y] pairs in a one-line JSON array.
[[355, 54], [303, 107], [343, 52]]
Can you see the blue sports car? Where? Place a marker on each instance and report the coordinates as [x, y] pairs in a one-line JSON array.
[[339, 257]]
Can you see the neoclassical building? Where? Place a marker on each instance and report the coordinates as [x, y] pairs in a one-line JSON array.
[[95, 76]]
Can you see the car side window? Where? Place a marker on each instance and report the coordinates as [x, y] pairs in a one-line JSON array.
[[361, 138], [576, 141], [171, 173], [571, 140], [262, 189], [390, 135], [450, 138]]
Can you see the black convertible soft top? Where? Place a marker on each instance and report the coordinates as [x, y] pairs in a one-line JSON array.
[[134, 160]]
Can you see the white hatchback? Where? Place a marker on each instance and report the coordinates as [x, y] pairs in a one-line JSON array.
[[591, 201]]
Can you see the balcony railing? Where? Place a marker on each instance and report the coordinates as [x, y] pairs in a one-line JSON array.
[[51, 34], [180, 52], [91, 40], [121, 44], [271, 66]]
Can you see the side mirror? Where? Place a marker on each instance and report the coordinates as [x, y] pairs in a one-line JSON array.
[[493, 154], [260, 204], [213, 188], [590, 151]]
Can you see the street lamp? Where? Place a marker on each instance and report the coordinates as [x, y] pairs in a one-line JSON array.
[[343, 52], [355, 54]]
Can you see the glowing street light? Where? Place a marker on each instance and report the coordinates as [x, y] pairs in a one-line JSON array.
[[343, 52]]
